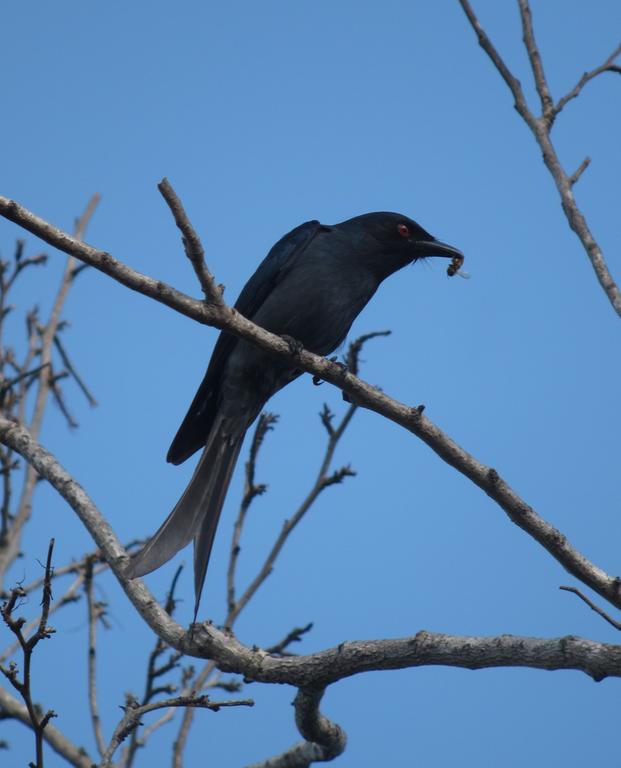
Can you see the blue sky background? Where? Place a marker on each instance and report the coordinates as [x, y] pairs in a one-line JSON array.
[[264, 115]]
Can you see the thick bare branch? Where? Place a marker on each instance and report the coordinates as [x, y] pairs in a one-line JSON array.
[[324, 740], [575, 176], [598, 660], [360, 393], [315, 727]]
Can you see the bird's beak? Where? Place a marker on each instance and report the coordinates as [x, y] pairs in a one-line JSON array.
[[437, 248]]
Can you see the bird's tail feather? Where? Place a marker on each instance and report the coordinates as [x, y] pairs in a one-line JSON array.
[[196, 514], [203, 539]]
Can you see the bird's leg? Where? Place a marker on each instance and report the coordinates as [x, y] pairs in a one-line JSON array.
[[295, 346], [317, 381]]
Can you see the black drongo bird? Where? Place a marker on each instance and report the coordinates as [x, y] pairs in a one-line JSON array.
[[310, 287]]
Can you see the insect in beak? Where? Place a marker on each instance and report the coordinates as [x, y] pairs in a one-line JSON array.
[[454, 268]]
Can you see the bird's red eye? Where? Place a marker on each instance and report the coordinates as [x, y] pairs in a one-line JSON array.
[[403, 230]]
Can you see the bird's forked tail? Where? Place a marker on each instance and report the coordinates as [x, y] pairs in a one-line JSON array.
[[196, 514]]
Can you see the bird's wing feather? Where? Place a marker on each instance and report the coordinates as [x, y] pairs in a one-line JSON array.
[[194, 429]]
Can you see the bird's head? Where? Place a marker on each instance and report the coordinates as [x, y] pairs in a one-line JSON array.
[[392, 240]]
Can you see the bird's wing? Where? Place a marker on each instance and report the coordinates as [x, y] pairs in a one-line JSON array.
[[194, 429]]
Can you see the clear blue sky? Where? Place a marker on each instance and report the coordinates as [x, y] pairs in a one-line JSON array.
[[264, 115]]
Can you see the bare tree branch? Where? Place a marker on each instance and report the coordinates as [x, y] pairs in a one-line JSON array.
[[313, 672], [575, 176], [94, 613], [71, 595], [192, 244], [134, 712], [316, 728], [295, 636], [540, 127], [265, 423], [597, 660], [541, 84], [512, 82], [75, 756], [37, 721], [361, 393], [153, 687], [188, 716], [607, 66], [72, 371], [592, 606], [322, 482], [12, 539], [324, 740]]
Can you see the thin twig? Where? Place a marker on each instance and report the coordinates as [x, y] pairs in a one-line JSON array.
[[71, 754], [541, 84], [265, 424], [607, 66], [191, 243], [512, 82], [575, 176], [322, 482], [10, 550], [38, 721], [74, 567], [94, 613], [352, 358], [9, 383], [187, 719], [71, 369], [59, 398], [71, 595], [134, 712], [155, 671], [592, 606], [295, 636]]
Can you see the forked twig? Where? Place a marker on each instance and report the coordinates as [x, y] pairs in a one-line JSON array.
[[23, 686], [541, 127]]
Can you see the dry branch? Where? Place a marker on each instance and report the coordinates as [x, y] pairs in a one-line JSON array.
[[36, 719], [311, 673], [541, 127], [597, 660], [324, 740], [360, 393]]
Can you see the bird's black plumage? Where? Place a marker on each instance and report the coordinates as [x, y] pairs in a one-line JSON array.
[[311, 286]]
